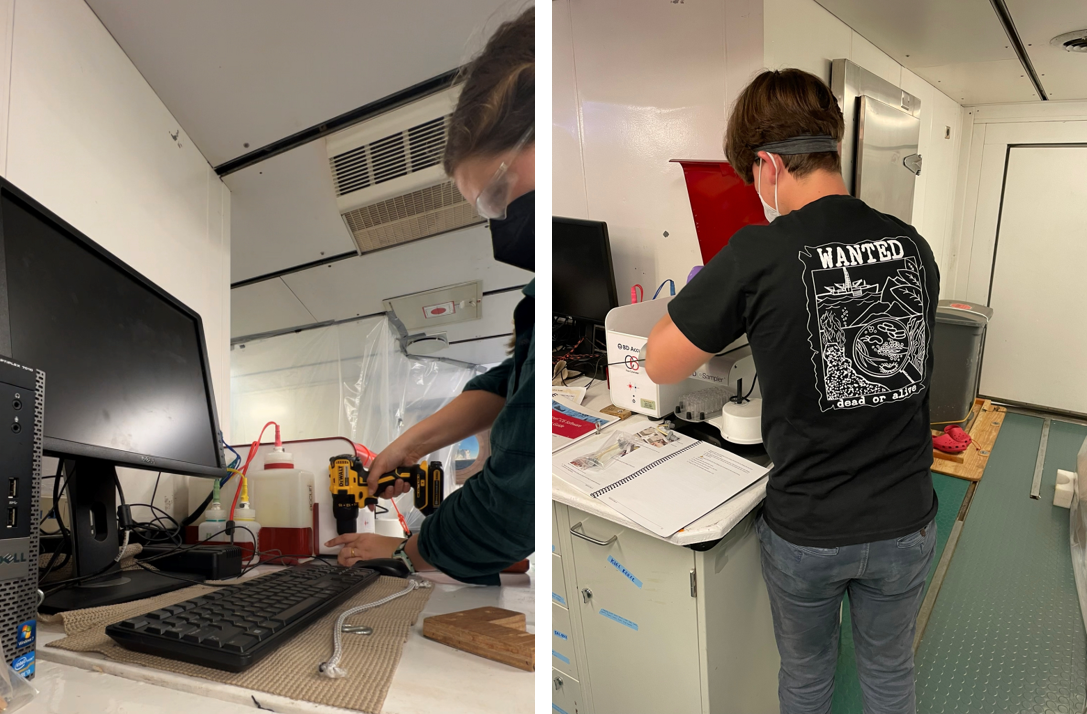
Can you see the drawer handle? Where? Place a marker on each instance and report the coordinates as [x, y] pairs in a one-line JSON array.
[[574, 531]]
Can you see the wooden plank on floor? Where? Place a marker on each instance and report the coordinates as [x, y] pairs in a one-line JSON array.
[[985, 430]]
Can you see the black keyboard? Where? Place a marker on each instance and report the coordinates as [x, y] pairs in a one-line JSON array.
[[236, 626]]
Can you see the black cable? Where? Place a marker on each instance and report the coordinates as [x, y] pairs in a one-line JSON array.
[[153, 493], [191, 518], [753, 381], [66, 536], [596, 368]]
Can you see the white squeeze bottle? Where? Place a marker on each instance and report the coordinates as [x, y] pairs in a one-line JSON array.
[[285, 494]]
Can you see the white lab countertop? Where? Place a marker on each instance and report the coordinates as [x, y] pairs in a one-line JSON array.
[[712, 526], [431, 677]]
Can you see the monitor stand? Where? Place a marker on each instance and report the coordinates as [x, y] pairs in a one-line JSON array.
[[92, 500]]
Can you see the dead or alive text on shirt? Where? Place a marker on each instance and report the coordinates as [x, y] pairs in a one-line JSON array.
[[866, 321]]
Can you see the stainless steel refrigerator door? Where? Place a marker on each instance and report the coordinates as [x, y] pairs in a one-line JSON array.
[[886, 148]]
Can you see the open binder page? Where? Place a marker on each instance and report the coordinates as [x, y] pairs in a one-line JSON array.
[[660, 486]]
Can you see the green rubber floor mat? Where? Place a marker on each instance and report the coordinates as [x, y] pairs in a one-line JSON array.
[[847, 687], [1006, 633]]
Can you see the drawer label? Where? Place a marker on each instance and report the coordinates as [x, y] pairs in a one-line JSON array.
[[558, 656], [558, 598], [626, 573], [620, 620], [561, 635]]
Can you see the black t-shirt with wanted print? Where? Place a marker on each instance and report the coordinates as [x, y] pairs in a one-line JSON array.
[[839, 304]]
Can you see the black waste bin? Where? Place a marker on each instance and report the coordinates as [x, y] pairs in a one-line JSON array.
[[958, 344]]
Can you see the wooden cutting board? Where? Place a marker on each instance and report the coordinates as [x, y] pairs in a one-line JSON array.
[[489, 632]]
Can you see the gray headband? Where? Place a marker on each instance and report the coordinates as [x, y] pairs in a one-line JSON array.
[[806, 144]]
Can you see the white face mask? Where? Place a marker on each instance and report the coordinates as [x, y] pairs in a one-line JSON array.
[[771, 213]]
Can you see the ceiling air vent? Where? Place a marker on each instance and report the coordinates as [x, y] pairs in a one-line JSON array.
[[1071, 41], [389, 182]]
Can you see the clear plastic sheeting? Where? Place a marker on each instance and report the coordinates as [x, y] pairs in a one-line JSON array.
[[1078, 532], [349, 380]]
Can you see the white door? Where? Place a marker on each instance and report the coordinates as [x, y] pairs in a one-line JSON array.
[[1036, 349]]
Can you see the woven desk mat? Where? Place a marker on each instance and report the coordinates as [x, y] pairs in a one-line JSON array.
[[291, 670]]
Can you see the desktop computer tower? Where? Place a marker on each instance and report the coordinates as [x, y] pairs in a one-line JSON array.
[[22, 395]]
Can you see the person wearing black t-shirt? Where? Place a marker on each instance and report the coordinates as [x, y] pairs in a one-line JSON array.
[[838, 302]]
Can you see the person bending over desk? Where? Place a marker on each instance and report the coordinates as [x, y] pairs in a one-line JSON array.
[[488, 524], [838, 302]]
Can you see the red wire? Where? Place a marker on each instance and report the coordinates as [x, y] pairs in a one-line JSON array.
[[252, 453], [403, 523]]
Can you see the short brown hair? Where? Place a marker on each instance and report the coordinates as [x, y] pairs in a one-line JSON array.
[[497, 105], [779, 105]]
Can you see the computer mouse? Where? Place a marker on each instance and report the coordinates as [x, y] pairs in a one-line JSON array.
[[393, 567]]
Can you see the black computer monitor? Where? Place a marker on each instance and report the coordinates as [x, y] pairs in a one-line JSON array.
[[127, 379], [582, 279]]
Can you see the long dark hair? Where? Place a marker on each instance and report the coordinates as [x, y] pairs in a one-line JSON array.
[[497, 104]]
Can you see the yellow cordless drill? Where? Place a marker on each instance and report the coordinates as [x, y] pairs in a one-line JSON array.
[[347, 481]]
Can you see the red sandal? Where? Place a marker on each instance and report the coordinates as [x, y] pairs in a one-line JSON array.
[[949, 445], [956, 433]]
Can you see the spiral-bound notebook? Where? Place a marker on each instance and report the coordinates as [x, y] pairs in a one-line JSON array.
[[661, 486]]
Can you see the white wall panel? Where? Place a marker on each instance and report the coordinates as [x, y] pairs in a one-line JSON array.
[[651, 87], [568, 170], [801, 34], [89, 139], [875, 60]]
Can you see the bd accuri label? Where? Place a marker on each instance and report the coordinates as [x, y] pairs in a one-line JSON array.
[[14, 558]]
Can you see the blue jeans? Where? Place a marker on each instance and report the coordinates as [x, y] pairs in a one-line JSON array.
[[885, 580]]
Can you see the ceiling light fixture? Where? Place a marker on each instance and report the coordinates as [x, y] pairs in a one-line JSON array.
[[1071, 41]]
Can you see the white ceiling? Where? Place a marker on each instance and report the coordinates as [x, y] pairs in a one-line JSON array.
[[283, 214], [962, 49], [256, 71]]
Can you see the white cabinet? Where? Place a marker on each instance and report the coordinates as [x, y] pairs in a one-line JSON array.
[[656, 627], [638, 616], [566, 697], [554, 530]]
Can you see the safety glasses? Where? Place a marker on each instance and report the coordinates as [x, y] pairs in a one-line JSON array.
[[492, 200]]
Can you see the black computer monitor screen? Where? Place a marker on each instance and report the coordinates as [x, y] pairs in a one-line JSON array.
[[125, 364], [582, 282]]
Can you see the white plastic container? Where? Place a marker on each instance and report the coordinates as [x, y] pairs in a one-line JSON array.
[[246, 531], [212, 529], [284, 493]]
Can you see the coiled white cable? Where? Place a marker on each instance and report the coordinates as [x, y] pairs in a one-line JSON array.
[[331, 668]]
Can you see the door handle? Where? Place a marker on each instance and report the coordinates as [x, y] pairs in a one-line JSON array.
[[586, 595], [913, 163], [558, 683], [581, 534]]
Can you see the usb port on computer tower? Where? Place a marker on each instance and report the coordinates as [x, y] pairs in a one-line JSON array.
[[13, 487], [11, 517]]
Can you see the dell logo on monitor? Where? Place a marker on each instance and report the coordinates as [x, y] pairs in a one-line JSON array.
[[147, 459]]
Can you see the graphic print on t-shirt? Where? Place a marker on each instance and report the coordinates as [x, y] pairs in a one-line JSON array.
[[866, 321]]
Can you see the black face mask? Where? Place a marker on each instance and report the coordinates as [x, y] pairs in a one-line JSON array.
[[514, 238]]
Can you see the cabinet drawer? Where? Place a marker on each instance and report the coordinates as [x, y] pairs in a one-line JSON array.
[[638, 615], [555, 547], [558, 582], [562, 641], [565, 694]]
